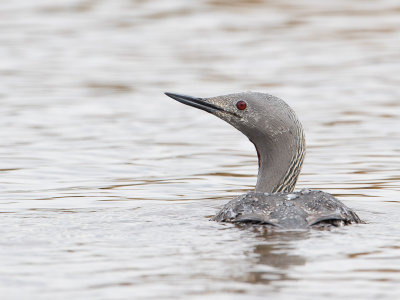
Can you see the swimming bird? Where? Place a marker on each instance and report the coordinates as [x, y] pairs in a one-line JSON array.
[[273, 127]]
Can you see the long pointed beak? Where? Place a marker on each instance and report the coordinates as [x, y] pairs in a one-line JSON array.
[[200, 103]]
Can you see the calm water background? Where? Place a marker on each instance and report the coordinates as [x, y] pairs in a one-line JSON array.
[[107, 185]]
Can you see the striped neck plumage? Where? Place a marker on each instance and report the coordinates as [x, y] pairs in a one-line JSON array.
[[280, 161]]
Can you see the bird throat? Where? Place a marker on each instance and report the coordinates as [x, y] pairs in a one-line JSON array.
[[278, 169]]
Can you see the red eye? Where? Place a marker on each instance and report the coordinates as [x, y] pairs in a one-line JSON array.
[[241, 105]]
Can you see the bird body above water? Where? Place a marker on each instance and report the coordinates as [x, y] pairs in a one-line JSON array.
[[287, 210], [272, 126]]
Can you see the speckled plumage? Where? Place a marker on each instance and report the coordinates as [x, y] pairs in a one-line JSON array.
[[287, 210]]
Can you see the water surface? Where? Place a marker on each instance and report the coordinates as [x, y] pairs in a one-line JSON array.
[[107, 185]]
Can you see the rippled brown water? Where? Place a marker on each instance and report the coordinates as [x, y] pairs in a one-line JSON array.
[[106, 185]]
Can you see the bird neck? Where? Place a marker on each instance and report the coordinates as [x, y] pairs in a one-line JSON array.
[[280, 160]]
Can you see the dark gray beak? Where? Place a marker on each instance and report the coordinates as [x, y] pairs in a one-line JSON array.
[[200, 103]]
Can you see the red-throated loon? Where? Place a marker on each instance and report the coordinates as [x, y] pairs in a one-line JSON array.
[[272, 126]]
